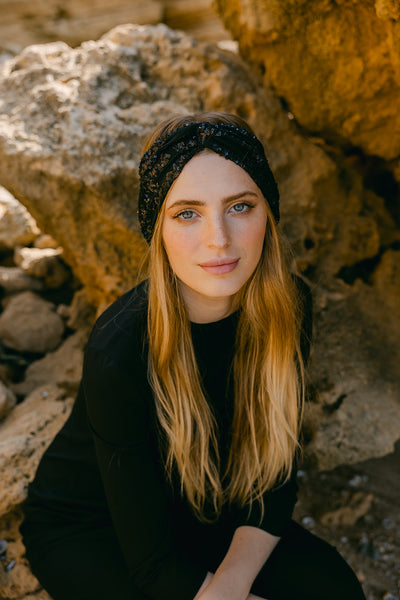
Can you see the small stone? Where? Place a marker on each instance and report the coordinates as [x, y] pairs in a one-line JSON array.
[[3, 546], [10, 566], [388, 523], [17, 226], [367, 548], [14, 279], [308, 522], [7, 403], [43, 263], [45, 241], [357, 480]]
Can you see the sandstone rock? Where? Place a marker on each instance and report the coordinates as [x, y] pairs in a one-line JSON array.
[[62, 367], [17, 227], [7, 401], [74, 144], [43, 263], [24, 436], [14, 279], [336, 64], [29, 324], [81, 313], [46, 241], [23, 24]]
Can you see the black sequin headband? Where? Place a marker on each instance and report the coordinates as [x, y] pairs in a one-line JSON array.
[[166, 157]]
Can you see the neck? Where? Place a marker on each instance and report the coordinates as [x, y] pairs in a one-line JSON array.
[[202, 309]]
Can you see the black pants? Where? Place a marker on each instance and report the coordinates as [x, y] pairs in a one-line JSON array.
[[90, 566]]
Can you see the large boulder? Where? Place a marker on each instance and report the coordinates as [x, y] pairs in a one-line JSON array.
[[24, 436], [70, 152], [335, 64], [24, 23]]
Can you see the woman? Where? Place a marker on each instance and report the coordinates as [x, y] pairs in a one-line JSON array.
[[174, 476]]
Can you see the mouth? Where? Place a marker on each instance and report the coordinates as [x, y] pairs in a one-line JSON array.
[[220, 266]]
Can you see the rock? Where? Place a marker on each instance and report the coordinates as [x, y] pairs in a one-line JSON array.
[[359, 504], [29, 324], [14, 279], [81, 313], [43, 263], [7, 401], [17, 227], [62, 367], [24, 436], [46, 241], [75, 141], [24, 24], [335, 64]]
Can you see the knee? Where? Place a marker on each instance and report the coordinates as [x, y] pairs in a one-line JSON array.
[[338, 578]]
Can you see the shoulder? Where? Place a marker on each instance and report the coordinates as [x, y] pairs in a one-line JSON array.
[[120, 332]]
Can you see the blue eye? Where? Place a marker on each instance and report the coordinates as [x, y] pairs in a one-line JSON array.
[[240, 207], [186, 215]]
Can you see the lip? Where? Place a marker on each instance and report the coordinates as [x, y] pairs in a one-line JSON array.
[[220, 266]]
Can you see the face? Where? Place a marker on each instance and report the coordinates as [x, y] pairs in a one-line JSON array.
[[213, 232]]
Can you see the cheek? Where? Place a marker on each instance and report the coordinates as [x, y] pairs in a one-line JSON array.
[[177, 246], [253, 237]]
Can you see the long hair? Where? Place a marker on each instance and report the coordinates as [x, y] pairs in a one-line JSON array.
[[267, 371]]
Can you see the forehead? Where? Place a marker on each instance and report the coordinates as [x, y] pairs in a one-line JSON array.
[[209, 174]]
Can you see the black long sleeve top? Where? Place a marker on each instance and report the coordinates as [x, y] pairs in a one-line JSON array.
[[105, 466]]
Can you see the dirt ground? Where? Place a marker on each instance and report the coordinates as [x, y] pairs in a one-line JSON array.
[[357, 509]]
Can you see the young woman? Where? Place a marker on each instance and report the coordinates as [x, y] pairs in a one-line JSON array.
[[175, 477]]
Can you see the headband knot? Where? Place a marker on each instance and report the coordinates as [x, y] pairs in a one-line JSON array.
[[166, 157]]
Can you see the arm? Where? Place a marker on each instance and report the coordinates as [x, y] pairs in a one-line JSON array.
[[249, 550], [117, 404]]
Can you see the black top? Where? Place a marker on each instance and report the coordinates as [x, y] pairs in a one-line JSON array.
[[105, 466]]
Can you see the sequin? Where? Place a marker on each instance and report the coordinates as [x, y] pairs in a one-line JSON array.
[[166, 157]]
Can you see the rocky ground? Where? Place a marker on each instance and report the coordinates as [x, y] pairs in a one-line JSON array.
[[356, 508]]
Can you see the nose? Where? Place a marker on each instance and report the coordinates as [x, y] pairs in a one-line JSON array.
[[217, 233]]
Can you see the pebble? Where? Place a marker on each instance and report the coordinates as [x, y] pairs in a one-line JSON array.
[[388, 523], [357, 480], [3, 546], [367, 548], [10, 566], [308, 522]]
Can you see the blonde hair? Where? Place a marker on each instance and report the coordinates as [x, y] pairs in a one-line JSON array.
[[267, 371]]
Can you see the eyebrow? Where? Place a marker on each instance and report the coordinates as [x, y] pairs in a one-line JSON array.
[[226, 200]]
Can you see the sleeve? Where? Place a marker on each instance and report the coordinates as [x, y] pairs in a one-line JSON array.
[[279, 503], [134, 487]]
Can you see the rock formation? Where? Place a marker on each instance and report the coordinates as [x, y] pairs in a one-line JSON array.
[[74, 145], [336, 65], [24, 23]]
